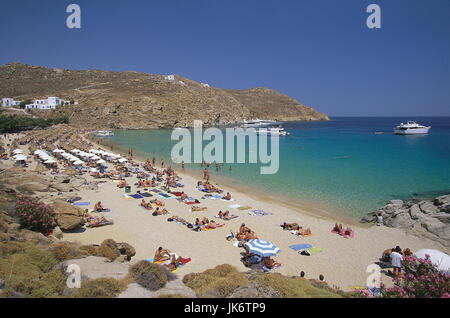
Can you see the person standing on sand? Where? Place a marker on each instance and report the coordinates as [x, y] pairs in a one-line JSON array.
[[153, 161], [182, 165], [162, 163], [397, 258], [379, 219]]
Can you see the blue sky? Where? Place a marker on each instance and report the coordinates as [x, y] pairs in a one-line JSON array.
[[318, 52]]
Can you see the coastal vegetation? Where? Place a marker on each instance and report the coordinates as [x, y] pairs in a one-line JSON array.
[[10, 123], [421, 280], [35, 215]]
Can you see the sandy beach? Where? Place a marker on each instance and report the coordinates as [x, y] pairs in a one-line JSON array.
[[343, 261]]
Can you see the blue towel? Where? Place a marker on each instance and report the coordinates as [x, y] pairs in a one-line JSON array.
[[136, 196], [82, 203], [300, 246]]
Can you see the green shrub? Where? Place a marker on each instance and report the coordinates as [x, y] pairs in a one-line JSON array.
[[35, 215], [100, 288], [293, 287], [24, 269], [224, 278]]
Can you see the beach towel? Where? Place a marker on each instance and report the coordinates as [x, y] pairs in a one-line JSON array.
[[108, 222], [235, 206], [225, 200], [259, 213], [311, 251], [162, 263], [343, 233], [143, 207], [297, 247], [203, 227], [247, 207], [178, 194], [146, 194], [267, 270], [81, 203], [155, 190], [127, 196], [165, 195], [231, 217], [136, 196]]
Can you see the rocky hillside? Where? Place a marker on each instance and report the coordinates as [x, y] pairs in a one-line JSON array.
[[136, 100]]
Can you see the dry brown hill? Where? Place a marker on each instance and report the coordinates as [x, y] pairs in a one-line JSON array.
[[137, 100]]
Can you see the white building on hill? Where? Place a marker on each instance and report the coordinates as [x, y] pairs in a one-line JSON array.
[[49, 103], [170, 77], [9, 102]]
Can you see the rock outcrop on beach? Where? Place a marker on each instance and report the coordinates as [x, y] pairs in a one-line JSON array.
[[424, 218], [134, 100]]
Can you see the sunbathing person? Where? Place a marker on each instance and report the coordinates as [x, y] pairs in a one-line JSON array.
[[224, 216], [212, 225], [160, 212], [179, 219], [174, 261], [348, 232], [161, 254], [270, 263], [93, 220], [198, 222], [250, 236], [227, 197], [158, 203], [303, 232], [146, 205], [197, 208], [291, 226], [338, 228], [183, 196], [98, 207], [122, 184]]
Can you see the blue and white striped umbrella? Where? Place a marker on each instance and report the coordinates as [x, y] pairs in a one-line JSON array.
[[262, 248]]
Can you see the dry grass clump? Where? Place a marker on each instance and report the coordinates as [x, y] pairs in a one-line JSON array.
[[224, 278], [109, 250], [293, 287], [89, 249], [65, 251], [148, 275], [100, 288]]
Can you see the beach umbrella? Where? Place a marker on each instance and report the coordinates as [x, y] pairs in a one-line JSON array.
[[95, 157], [73, 159], [78, 162], [76, 150], [101, 161], [123, 160], [20, 157], [50, 161], [17, 151], [59, 151], [262, 248], [36, 152], [438, 258]]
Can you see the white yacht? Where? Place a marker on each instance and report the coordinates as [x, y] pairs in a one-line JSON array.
[[257, 123], [103, 133], [411, 128], [274, 130]]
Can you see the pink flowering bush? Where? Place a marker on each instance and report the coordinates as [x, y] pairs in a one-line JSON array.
[[35, 215], [421, 279]]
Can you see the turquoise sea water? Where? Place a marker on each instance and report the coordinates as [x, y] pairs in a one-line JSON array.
[[340, 163]]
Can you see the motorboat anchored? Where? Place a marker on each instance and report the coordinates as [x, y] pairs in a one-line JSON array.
[[103, 133], [274, 130], [411, 128]]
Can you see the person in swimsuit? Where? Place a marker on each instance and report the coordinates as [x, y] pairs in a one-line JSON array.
[[161, 254]]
